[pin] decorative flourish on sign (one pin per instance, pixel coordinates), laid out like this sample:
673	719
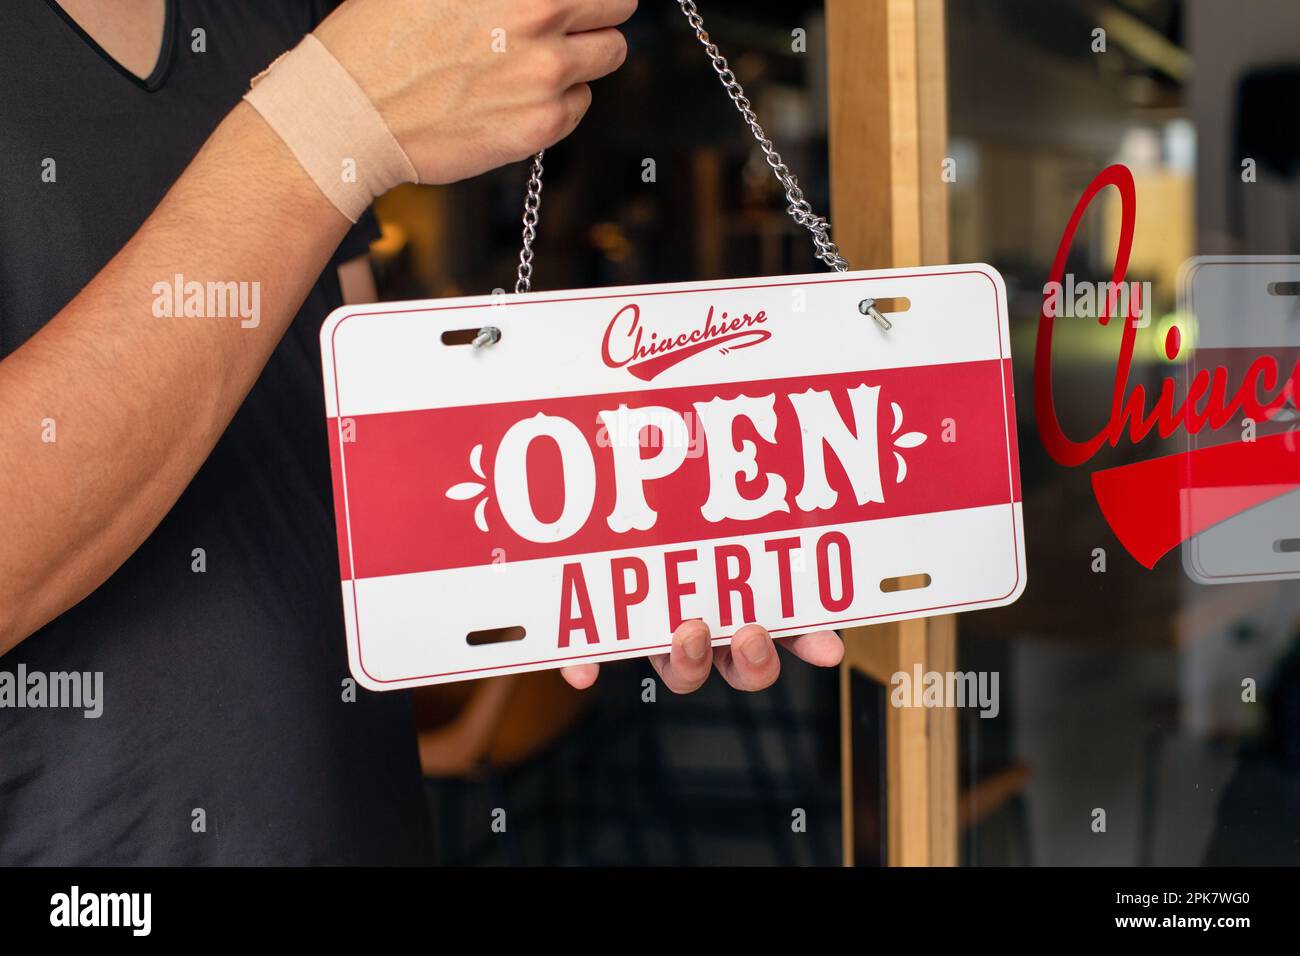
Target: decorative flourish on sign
467	490
905	440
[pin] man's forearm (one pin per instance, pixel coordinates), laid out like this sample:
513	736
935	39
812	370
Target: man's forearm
136	401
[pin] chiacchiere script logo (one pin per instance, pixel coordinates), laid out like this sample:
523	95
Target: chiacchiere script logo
647	353
1146	503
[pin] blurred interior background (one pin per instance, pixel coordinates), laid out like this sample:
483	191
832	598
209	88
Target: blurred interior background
1120	689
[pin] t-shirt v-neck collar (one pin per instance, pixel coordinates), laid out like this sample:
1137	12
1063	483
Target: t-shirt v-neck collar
166	51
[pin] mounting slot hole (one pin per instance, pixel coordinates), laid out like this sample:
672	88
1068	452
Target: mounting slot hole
894	306
460	336
495	635
905	582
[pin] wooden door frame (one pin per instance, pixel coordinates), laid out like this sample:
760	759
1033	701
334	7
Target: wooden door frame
887	83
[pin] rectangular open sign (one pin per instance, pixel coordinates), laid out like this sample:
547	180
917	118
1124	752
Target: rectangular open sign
625	459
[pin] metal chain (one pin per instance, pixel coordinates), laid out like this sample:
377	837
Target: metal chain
799	208
532	211
490	334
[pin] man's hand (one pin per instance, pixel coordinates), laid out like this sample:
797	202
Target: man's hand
467	87
750	663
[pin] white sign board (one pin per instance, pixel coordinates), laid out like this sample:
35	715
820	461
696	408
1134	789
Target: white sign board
624	459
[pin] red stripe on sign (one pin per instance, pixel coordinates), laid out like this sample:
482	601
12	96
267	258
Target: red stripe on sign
1013	447
393	477
336	427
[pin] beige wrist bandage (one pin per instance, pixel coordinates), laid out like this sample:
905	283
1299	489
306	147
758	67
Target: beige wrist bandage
330	125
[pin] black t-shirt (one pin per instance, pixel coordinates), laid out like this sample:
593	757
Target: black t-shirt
227	733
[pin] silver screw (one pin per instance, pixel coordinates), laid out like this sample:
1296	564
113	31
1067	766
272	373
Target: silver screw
868	307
